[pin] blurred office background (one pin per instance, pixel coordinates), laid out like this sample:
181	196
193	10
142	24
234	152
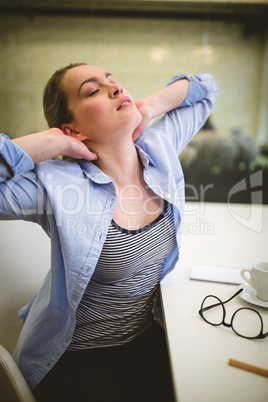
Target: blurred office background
144	44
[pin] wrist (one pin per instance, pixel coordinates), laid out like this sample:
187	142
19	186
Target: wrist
153	105
57	141
168	98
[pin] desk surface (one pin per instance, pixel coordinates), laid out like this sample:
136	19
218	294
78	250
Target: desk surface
222	235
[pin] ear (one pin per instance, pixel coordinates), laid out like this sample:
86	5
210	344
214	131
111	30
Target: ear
72	132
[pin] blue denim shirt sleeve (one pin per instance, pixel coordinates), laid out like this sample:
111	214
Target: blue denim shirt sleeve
196	91
181	124
19	187
13	160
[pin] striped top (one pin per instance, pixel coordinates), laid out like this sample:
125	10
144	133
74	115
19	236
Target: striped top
117	304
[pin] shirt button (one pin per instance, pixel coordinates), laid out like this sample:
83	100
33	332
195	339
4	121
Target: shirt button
168	196
147	177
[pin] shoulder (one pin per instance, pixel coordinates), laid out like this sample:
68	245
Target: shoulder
68	165
59	169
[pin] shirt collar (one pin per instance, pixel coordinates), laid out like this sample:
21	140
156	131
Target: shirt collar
144	157
93	172
96	175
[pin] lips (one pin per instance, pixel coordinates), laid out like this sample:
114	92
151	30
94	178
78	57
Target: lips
124	102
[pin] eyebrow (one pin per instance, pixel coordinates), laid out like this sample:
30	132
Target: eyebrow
92	79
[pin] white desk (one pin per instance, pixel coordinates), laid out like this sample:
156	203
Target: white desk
215	234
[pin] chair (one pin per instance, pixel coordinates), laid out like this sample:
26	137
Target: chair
13	387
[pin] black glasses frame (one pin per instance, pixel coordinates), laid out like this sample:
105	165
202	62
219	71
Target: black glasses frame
223	322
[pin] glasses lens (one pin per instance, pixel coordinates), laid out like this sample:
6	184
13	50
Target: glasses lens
212	310
247	323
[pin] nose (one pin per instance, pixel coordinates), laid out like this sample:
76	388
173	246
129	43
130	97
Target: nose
115	90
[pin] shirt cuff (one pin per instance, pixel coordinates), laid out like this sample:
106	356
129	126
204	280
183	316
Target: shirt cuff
13	160
197	91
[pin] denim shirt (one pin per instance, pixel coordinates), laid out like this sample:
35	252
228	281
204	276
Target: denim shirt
74	203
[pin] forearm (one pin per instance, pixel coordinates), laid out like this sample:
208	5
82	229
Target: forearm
43	145
168	98
53	142
161	102
182	123
194	93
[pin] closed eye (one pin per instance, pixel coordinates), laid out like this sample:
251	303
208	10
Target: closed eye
94	92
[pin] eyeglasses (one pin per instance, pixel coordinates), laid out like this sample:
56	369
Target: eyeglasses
245	322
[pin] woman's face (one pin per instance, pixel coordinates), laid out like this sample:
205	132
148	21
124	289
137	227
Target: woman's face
101	108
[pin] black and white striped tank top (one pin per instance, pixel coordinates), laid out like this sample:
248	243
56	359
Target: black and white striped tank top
117	303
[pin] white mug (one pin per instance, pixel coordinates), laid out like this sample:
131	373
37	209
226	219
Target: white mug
257	277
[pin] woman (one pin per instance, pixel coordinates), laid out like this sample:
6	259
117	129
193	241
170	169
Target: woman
113	212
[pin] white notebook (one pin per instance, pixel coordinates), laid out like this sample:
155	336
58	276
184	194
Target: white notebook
216	273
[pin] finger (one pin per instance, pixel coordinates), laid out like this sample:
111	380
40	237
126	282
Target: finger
88	155
92	157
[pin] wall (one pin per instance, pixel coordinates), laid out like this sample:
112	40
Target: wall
143	54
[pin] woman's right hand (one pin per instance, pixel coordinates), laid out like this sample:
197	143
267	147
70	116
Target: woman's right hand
75	148
51	143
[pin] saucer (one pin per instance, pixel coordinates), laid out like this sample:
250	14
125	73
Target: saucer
250	295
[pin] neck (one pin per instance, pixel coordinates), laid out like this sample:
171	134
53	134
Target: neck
120	162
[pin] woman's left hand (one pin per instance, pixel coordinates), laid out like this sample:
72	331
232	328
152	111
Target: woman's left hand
145	111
